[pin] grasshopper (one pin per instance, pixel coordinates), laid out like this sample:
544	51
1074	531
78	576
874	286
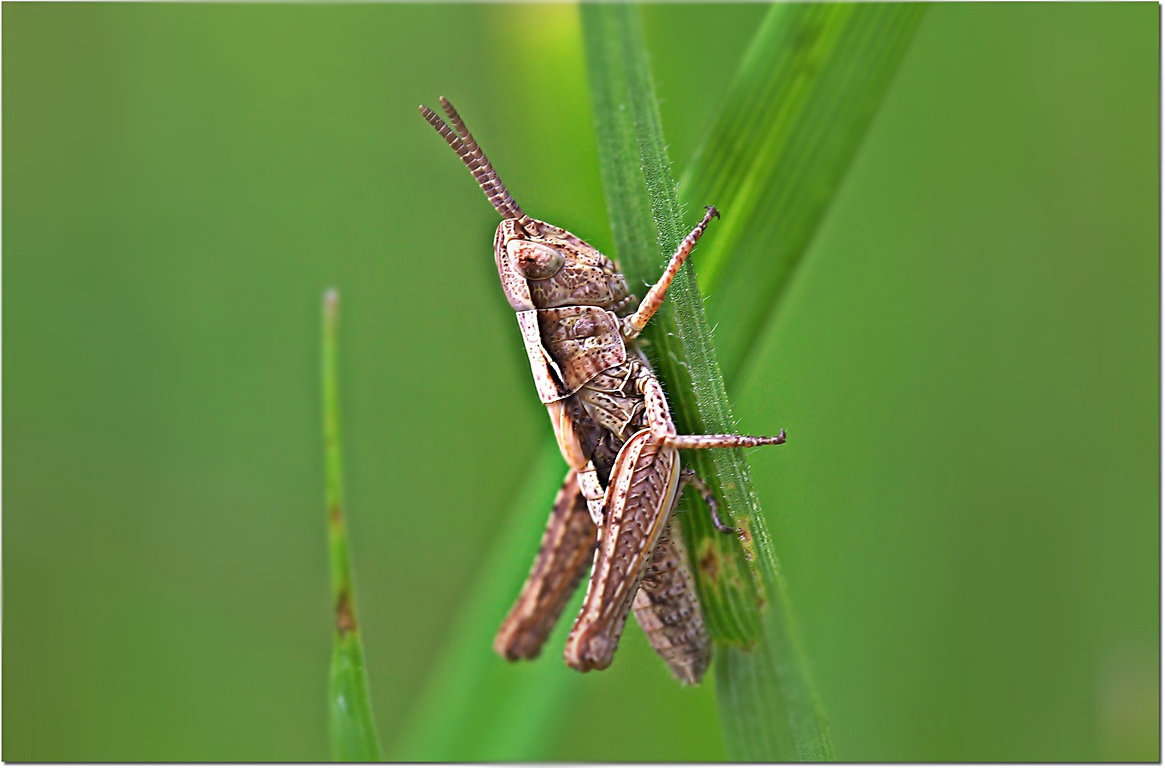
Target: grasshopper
579	323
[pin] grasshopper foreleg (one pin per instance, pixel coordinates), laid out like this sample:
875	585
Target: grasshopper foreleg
634	323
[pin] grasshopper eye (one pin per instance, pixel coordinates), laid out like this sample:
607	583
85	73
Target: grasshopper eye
534	260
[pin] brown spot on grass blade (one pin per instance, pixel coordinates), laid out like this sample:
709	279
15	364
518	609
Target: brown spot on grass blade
345	616
744	533
748	544
710	562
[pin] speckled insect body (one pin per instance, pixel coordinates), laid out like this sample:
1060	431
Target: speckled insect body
578	322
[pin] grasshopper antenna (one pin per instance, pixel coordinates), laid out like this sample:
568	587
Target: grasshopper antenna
461	140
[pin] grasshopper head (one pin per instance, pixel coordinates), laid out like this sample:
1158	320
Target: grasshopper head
540	265
543	266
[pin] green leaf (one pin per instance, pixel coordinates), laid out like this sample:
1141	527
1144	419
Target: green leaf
353	736
773	160
800	104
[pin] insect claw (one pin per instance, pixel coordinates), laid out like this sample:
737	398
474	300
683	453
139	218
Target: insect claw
712	210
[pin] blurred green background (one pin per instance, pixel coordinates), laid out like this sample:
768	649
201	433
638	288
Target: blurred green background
967	364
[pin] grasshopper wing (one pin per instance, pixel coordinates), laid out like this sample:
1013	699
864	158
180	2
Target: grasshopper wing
562	560
637	505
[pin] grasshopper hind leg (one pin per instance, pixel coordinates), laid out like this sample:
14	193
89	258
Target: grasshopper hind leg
688	476
565	553
668	610
636	509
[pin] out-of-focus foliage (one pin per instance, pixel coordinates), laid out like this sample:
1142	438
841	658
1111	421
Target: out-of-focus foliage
967	358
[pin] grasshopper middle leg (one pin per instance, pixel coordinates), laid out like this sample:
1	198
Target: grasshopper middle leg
661	425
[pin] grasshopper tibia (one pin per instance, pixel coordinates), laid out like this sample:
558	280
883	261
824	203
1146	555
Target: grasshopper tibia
689	476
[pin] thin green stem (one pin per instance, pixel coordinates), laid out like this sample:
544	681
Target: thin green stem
353	736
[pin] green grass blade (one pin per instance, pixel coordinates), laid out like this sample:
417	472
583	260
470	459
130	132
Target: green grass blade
794	117
768	704
353	736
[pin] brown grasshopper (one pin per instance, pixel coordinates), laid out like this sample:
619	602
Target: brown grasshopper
579	323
